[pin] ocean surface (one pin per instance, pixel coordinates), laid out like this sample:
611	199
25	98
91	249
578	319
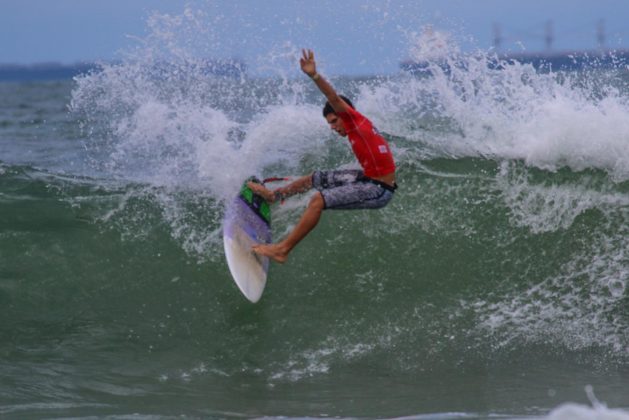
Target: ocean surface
493	286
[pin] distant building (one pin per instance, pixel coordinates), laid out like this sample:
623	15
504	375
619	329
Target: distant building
571	60
543	61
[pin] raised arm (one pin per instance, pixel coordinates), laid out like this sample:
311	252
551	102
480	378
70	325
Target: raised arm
309	66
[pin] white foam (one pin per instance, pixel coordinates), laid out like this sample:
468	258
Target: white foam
548	207
571	411
597	410
158	119
464	106
577	307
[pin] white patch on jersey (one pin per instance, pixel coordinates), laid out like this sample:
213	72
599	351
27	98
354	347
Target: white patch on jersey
383	148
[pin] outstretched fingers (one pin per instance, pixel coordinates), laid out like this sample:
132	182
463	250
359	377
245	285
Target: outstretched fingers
307	57
307	62
307	54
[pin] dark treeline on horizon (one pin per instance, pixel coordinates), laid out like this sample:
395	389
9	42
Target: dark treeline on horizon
556	61
59	71
43	71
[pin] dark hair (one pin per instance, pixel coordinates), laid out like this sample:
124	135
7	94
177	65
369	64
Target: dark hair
327	109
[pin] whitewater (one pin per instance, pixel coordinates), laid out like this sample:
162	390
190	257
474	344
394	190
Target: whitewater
493	285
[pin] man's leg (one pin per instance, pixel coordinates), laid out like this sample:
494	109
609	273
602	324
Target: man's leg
279	251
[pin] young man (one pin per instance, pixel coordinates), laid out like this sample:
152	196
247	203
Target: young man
369	188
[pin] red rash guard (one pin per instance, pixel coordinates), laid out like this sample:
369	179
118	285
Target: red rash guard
371	149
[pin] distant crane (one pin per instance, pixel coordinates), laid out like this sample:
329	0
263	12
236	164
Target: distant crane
548	35
549	58
600	34
497	36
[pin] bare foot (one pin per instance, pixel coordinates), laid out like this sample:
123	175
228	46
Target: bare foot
262	191
273	251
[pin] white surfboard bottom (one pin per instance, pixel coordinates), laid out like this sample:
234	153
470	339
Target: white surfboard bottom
246	266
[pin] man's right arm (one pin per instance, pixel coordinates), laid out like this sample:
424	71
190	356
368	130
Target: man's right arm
309	66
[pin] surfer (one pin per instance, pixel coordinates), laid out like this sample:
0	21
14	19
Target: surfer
369	188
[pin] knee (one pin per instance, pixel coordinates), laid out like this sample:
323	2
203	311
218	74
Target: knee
317	202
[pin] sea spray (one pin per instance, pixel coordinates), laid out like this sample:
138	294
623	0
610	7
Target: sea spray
476	104
494	284
491	153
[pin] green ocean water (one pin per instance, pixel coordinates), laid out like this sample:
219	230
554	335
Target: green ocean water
493	285
453	308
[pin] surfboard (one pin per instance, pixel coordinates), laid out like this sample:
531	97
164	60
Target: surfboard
247	222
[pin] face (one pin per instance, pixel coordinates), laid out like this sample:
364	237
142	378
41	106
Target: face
336	124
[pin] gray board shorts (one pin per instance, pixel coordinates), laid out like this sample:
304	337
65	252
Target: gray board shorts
350	189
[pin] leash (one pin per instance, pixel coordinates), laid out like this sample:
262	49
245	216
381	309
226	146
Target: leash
275	179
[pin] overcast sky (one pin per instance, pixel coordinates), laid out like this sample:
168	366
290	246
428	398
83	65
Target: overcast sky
354	36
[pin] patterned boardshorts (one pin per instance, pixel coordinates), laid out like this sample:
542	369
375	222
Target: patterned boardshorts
351	189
